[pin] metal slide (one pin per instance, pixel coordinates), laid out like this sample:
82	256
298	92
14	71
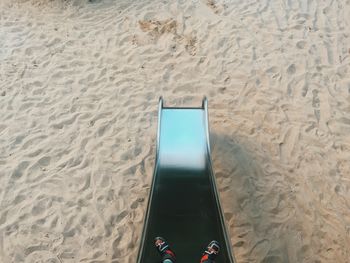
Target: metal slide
184	205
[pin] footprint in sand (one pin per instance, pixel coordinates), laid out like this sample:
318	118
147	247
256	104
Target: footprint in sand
291	69
316	103
18	172
301	44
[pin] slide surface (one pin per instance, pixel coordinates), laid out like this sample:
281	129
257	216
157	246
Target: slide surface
184	207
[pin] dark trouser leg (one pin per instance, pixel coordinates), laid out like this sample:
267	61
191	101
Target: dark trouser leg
168	256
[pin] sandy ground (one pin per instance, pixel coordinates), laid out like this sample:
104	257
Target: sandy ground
79	86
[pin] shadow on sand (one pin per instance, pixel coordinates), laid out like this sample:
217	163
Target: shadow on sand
248	200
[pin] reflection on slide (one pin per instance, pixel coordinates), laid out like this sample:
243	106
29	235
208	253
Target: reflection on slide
184	206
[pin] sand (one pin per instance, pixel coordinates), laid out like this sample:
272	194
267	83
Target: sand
79	86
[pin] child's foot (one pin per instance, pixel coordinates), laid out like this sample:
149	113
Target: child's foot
211	252
164	249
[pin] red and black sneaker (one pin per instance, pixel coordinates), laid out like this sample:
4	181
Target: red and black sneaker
211	252
164	249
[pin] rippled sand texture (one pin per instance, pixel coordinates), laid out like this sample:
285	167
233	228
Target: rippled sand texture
79	85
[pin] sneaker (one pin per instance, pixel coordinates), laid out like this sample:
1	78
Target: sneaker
211	252
164	249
